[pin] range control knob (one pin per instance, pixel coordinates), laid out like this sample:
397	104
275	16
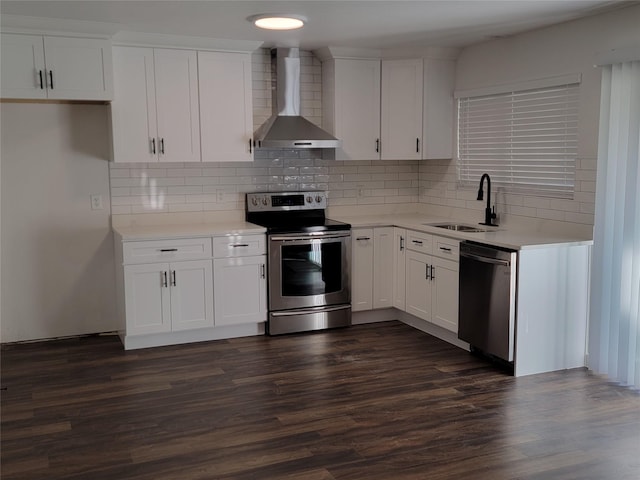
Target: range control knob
319	199
254	201
309	199
265	202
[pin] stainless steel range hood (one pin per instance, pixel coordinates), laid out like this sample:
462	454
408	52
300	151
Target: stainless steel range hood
286	128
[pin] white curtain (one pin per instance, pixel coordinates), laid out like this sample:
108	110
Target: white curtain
614	328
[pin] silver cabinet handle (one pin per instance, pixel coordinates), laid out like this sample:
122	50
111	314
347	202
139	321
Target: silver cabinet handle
363	238
445	249
417	145
168	249
162	146
153	146
163	279
417	242
236	245
250	146
377	145
51	79
432	276
401	243
263	271
41	81
173	278
426	271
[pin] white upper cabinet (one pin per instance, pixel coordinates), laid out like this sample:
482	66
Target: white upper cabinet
351	106
401	109
176	76
133	110
438	111
23	69
56	68
155	109
226	107
375	107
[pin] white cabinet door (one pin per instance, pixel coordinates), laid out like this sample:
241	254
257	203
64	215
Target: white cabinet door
148	302
362	269
401	109
240	290
133	110
438	110
418	296
382	265
178	119
357	109
23	69
226	107
191	294
78	68
399	267
445	293
59	68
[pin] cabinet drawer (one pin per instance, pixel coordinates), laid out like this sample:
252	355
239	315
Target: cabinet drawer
446	248
419	242
239	246
166	250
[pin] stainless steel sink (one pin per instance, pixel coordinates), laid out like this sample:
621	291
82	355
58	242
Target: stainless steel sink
458	227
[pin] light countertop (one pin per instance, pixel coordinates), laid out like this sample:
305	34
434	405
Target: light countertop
515	238
512	237
209	229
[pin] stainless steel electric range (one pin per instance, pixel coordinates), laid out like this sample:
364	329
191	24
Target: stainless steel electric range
308	261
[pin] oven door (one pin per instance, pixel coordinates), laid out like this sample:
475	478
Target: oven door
309	270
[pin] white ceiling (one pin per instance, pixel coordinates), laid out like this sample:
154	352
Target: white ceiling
372	24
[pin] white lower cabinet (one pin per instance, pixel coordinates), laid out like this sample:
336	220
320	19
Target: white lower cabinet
240	279
425	277
418	287
240	290
166	297
399	267
432	289
361	269
444	293
181	290
148	306
372	260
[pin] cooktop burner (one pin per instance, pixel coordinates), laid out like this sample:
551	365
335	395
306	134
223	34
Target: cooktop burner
291	212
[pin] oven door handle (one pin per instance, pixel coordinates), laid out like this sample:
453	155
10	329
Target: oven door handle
289	313
306	238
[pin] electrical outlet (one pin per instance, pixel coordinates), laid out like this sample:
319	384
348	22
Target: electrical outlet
96	202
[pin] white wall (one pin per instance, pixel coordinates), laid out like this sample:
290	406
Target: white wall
57	254
562	49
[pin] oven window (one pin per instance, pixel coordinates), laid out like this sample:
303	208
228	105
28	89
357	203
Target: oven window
313	269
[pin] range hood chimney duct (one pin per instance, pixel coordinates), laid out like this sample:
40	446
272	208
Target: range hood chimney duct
287	128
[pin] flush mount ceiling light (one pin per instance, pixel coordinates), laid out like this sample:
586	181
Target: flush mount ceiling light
276	21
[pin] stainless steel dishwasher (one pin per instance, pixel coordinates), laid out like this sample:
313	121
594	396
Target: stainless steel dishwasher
487	299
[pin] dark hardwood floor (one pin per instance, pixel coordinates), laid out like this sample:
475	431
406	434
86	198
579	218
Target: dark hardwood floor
381	401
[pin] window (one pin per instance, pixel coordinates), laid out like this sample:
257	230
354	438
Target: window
525	139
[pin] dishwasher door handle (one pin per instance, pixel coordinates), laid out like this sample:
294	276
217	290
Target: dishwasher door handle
493	261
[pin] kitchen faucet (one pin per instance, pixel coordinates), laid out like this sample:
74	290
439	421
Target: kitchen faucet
488	214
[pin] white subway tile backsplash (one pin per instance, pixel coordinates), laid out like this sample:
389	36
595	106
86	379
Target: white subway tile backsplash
583	218
549	214
120	191
187	190
119	172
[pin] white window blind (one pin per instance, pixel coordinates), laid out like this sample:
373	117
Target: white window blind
525	140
